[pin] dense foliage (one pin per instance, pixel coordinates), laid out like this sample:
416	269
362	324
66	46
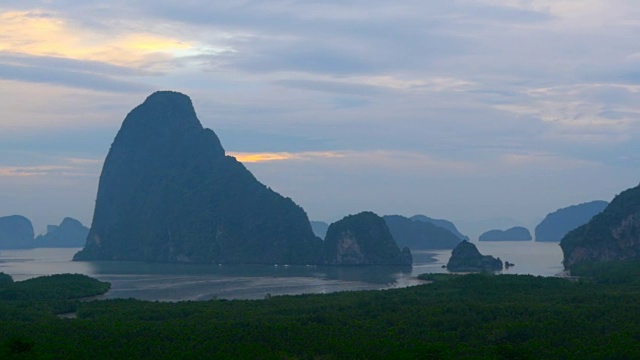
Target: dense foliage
40	298
558	223
613	234
477	316
168	193
416	234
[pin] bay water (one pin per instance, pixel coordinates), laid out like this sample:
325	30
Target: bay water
177	282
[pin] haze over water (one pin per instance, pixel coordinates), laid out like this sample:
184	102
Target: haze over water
175	282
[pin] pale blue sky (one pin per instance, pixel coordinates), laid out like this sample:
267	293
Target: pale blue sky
462	109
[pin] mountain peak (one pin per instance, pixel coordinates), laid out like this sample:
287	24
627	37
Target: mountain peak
163	113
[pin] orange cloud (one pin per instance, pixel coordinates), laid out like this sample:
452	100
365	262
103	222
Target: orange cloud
247	157
42	34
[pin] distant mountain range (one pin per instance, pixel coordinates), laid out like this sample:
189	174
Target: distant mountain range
446	224
16	232
516	233
558	223
416	234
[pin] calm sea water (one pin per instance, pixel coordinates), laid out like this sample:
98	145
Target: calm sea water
175	282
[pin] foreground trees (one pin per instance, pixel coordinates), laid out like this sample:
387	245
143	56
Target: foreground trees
470	316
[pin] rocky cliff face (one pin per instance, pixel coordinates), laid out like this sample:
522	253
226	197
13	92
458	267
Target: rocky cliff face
16	232
168	193
613	234
517	233
70	233
466	258
363	239
419	235
558	223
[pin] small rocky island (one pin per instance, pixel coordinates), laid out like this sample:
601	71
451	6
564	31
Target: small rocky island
613	234
517	233
363	239
466	258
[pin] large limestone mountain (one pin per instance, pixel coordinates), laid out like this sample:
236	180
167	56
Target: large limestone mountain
558	223
16	232
168	193
363	239
613	234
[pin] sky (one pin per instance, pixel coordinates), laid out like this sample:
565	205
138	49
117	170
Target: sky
476	111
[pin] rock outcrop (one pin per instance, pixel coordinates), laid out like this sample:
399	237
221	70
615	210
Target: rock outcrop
613	234
16	232
70	233
363	239
168	193
419	235
466	258
558	223
445	224
517	233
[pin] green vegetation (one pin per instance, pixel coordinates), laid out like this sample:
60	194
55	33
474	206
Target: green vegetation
41	298
477	316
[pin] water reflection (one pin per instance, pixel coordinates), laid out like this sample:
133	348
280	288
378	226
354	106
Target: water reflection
173	282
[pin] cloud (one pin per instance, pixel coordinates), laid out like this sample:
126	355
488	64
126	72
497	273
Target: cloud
382	159
64	167
19	171
79	79
40	33
246	157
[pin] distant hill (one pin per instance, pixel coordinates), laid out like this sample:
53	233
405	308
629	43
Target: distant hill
16	232
517	233
70	233
558	223
613	234
446	224
319	228
475	228
168	193
419	235
363	239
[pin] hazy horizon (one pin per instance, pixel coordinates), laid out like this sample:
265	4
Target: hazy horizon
462	110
